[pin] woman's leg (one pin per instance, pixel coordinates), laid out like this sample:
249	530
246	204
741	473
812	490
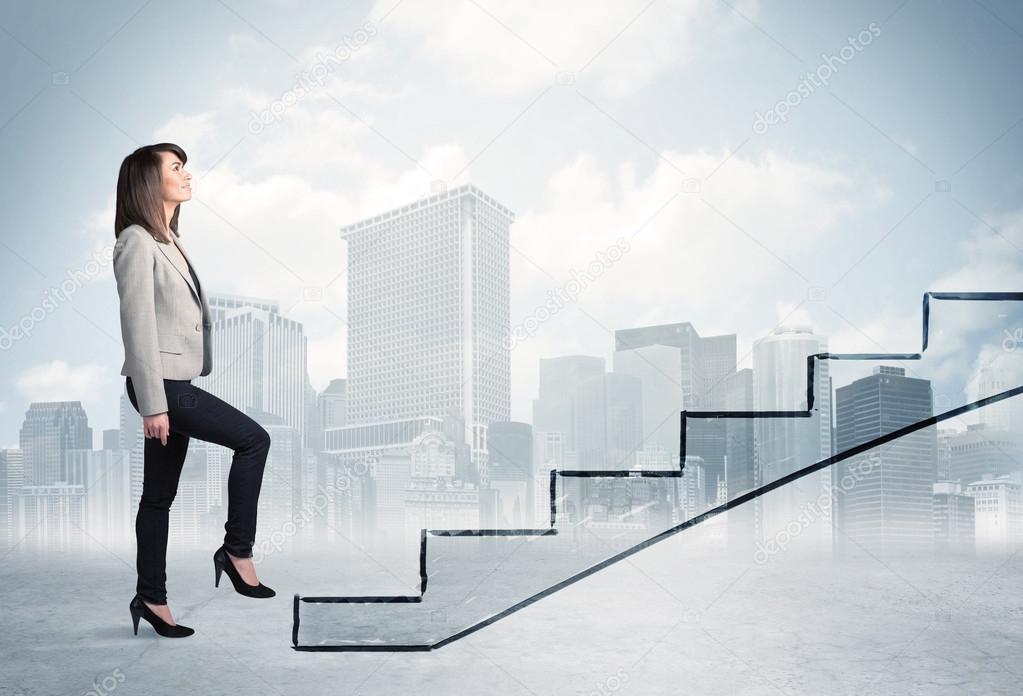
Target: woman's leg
159	486
161	472
197	413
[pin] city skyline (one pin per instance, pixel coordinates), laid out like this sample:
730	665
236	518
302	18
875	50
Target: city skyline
582	333
286	470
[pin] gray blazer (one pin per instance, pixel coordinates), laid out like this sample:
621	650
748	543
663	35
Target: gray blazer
165	319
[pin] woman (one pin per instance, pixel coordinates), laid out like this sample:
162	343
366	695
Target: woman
165	325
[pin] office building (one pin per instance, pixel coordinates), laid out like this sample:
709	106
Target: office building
49	430
609	422
953	518
785	445
554	409
886	499
261	358
429	314
998	512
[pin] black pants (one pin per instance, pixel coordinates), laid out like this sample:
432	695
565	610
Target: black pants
194	412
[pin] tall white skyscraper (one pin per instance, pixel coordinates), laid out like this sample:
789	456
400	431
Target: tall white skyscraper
429	314
260	358
784	445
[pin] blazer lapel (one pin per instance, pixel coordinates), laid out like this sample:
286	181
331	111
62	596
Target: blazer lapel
184	274
203	304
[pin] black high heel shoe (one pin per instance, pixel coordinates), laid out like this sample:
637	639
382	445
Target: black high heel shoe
139	610
223	563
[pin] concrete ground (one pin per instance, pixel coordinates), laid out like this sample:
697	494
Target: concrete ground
670	619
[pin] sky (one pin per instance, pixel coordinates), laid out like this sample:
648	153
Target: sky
815	162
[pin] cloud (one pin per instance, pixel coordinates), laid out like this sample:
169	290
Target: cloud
710	257
717	245
186	130
58	381
521	46
327	354
988	259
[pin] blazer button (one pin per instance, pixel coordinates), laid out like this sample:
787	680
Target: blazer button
198	327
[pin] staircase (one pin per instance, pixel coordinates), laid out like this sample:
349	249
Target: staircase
473	585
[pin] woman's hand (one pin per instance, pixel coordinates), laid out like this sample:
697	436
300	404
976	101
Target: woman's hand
157	425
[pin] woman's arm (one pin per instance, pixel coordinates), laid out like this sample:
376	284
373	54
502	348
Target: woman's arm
133	269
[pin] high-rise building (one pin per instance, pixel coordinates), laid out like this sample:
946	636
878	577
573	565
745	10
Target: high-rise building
187	514
332	403
609	422
261	359
281	473
659	370
999	511
511	472
691	490
130	423
49	430
12	478
885	503
554	409
704	360
740	475
223	304
105	476
137	459
785	445
981	451
692	378
440	504
391	477
50	518
429	314
943	454
953	518
1003	415
112	439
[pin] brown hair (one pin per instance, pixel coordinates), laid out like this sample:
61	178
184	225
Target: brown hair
139	200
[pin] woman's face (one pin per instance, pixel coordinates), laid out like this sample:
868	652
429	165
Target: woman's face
176	181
